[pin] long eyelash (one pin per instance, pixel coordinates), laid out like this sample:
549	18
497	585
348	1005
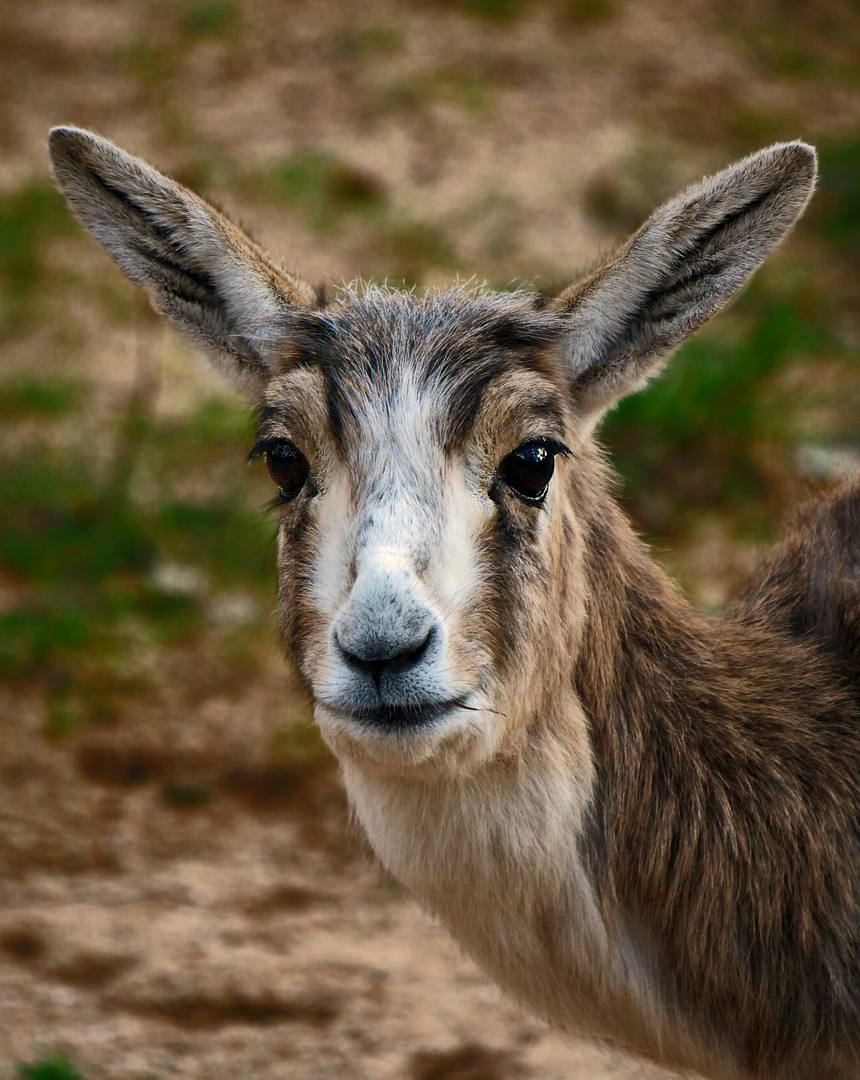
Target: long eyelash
259	448
553	445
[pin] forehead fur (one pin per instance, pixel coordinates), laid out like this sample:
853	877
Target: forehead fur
448	345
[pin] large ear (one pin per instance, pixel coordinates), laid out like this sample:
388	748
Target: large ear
682	265
200	270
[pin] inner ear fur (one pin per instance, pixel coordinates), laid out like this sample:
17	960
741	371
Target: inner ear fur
200	270
676	271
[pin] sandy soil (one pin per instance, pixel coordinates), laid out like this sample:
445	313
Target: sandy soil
249	936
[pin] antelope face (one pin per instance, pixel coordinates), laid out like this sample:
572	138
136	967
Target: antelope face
420	448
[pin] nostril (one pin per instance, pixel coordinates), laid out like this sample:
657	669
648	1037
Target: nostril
374	668
407	658
383	657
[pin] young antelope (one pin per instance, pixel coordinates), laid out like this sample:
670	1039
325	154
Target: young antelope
642	821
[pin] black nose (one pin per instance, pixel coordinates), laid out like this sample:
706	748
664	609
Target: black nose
380	658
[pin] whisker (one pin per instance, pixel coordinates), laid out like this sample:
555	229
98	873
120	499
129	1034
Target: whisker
476	708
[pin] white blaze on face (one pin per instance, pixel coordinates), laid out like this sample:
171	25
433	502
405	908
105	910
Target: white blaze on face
398	528
467	508
334	528
381	504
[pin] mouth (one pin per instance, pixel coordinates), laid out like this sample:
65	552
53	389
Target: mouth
441	735
401	718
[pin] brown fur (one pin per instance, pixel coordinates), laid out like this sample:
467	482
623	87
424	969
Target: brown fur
726	819
643	822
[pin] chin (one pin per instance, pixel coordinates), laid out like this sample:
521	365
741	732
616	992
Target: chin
441	740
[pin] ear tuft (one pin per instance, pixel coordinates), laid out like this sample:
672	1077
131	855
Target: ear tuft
677	270
200	270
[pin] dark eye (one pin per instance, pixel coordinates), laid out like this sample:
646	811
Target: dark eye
528	470
288	467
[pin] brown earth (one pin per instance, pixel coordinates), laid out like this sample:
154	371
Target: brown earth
175	899
154	926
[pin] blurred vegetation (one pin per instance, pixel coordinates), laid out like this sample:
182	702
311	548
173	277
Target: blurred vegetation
572	11
30	219
53	1068
719	431
111	555
837	208
210	17
332	196
326	189
714	428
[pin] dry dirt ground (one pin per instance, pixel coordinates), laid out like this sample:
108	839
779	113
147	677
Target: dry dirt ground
173	901
252	937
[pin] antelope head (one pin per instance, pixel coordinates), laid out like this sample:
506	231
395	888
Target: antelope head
433	454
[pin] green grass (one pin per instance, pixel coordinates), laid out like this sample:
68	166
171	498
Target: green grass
495	9
585	12
87	556
802	43
31	218
298	742
623	197
32	396
836	209
324	188
58	1067
58	527
209	18
691	441
226	540
186	794
356	42
465	88
85	566
217	425
152	62
331	194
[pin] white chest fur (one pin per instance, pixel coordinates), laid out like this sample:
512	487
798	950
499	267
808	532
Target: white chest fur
497	859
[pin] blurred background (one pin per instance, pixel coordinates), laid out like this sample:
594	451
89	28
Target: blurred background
181	892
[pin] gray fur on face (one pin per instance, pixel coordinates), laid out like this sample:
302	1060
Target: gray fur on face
448	344
401	381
